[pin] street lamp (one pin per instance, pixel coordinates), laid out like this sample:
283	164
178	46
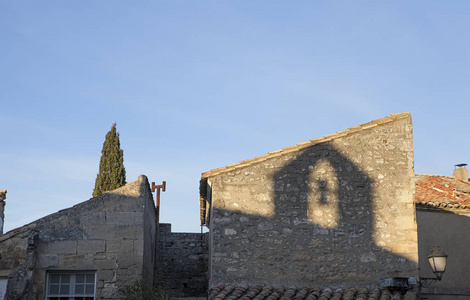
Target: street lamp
437	260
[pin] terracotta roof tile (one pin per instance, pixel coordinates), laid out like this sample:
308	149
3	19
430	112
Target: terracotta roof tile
442	192
309	143
258	292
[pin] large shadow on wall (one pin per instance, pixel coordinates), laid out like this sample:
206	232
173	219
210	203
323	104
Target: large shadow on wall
321	232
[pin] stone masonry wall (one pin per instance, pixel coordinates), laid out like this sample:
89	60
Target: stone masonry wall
104	234
339	212
150	239
182	263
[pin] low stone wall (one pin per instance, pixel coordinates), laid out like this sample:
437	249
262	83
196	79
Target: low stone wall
182	263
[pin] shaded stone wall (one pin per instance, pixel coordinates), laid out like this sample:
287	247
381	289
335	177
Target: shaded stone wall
104	234
339	212
182	263
445	228
150	239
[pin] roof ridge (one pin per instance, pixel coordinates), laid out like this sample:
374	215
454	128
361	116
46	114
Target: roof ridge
444	176
310	143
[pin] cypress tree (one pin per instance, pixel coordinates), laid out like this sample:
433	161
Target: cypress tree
112	173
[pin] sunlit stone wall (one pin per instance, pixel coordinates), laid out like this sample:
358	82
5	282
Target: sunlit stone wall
339	212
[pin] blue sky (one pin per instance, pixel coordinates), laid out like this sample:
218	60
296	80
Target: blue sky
196	85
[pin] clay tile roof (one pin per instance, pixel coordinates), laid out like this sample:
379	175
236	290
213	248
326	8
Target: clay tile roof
442	192
301	146
258	292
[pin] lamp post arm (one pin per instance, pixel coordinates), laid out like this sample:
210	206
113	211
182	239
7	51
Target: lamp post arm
425	282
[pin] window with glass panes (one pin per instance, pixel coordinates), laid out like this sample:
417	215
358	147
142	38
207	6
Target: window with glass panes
71	286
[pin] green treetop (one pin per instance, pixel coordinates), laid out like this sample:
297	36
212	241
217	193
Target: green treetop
112	173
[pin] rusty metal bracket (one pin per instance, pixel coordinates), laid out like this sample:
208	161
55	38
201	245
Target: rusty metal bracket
161	187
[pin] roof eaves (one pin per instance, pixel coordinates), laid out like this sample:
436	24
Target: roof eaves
442	205
17	231
244	292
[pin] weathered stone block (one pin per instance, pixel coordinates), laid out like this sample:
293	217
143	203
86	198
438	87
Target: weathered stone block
105	264
129	205
106	275
230	231
48	261
100	284
61	247
70	260
128	260
93	218
85	263
97	232
138	246
90	246
122	218
18	281
127	231
120	246
110	291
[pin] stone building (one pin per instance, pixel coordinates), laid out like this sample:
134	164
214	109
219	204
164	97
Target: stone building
337	211
88	251
323	219
443	216
94	249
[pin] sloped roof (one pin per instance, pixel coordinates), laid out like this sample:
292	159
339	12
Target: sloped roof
442	192
307	144
259	292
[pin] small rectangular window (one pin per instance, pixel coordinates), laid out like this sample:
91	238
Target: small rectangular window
71	285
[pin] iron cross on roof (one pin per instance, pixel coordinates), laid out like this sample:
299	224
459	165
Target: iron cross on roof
158	187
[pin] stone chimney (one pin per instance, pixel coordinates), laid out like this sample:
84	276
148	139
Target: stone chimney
3	196
460	172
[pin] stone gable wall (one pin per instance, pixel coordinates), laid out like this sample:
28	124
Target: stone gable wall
182	263
337	213
105	234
